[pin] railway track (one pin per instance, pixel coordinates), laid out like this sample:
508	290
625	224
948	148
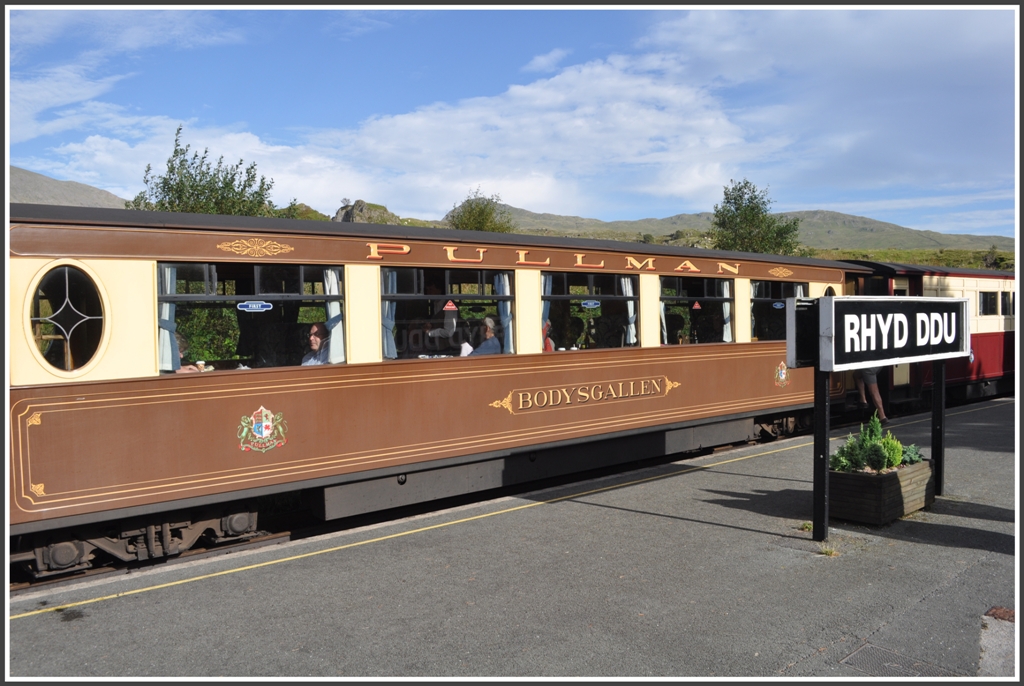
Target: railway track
24	586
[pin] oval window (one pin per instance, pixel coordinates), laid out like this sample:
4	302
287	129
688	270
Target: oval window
67	318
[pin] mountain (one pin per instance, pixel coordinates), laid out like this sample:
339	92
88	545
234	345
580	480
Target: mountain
29	187
818	228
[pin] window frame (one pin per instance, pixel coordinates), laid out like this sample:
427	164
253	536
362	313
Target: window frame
484	279
592	294
686	299
787	290
993	298
212	299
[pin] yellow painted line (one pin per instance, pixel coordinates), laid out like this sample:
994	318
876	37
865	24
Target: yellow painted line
60	608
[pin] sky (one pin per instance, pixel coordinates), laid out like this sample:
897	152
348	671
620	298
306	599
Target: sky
905	116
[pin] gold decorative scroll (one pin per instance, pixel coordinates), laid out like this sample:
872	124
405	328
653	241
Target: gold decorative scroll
780	272
37	489
506	403
35	419
255	247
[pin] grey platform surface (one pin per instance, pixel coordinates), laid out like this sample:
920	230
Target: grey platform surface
698	568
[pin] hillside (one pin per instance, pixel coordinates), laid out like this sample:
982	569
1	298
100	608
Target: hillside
30	187
819	229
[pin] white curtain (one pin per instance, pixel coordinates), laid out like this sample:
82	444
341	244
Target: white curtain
626	283
545	308
501	287
336	345
387	314
664	325
167	346
799	290
726	313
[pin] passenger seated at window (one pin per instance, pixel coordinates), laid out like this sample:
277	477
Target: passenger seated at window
611	327
319	345
549	345
491	344
182	349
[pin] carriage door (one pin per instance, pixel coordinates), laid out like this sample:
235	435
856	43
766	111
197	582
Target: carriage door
900	372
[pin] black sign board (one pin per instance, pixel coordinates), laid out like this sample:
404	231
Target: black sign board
854	332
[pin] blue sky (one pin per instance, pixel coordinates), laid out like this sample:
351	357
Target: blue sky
903	116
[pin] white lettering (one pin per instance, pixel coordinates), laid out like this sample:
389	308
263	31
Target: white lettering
900	322
922	328
936	329
867	330
852	325
950	329
884	324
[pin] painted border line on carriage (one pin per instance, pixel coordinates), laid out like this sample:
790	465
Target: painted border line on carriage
841	333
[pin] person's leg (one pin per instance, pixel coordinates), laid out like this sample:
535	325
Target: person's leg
860	389
876	397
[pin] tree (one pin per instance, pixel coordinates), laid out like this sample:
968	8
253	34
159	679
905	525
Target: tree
480	213
744	222
193	184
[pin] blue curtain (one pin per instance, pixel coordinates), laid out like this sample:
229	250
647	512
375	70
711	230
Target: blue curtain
545	289
387	314
501	287
167	346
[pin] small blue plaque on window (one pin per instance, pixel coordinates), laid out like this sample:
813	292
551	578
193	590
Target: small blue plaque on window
591	304
779	305
255	306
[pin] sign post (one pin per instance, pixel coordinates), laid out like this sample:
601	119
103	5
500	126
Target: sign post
844	333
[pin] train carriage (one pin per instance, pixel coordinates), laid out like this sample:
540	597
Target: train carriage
600	353
990	369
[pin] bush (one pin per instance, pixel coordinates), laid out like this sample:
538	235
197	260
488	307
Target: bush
869	449
911	454
480	213
893	450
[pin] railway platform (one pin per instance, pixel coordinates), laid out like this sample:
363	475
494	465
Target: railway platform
701	567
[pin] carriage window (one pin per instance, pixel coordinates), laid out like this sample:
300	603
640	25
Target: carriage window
67	318
240	316
589	310
768	307
989	303
1006	304
445	312
696	310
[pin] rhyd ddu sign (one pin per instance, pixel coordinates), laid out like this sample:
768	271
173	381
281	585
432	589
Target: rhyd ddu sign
854	332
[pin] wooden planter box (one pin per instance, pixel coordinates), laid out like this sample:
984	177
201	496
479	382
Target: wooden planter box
880	498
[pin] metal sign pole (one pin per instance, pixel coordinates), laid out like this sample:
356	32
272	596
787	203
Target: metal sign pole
938	420
822	412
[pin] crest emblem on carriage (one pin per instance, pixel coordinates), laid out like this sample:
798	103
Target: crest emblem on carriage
782	375
262	431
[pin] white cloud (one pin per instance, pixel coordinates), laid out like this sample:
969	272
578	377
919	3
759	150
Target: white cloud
547	62
916	203
977	222
115	31
58	87
796	100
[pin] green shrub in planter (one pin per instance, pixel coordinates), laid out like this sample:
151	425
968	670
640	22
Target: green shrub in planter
911	454
870	449
893	450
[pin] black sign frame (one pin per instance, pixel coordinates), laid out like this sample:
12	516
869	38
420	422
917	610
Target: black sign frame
856	332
